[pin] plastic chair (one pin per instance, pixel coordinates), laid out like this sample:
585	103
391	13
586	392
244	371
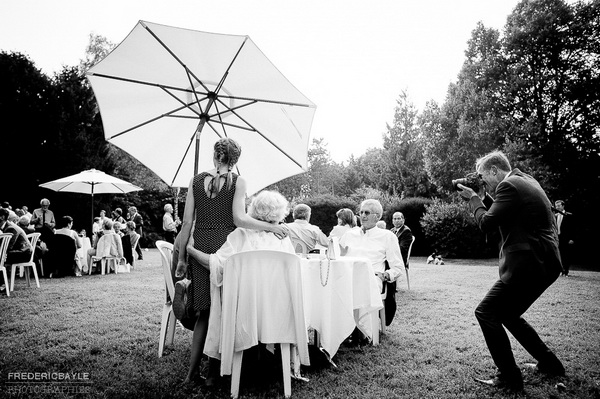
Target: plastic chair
167	324
300	247
407	262
4	241
104	256
262	302
33	238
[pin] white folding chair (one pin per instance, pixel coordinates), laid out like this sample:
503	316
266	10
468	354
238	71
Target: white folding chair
262	302
33	239
4	241
103	254
167	324
300	247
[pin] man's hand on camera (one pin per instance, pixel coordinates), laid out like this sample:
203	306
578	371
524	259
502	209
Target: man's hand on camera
466	192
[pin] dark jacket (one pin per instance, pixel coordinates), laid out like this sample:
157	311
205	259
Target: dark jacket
522	213
405	237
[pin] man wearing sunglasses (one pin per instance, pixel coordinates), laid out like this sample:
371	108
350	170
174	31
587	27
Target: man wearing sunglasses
529	264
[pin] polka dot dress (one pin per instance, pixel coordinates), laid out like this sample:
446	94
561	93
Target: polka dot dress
214	222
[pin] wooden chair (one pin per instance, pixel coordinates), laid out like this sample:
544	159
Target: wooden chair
33	239
167	324
4	241
273	314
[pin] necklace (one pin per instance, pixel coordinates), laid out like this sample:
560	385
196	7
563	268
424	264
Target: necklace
321	272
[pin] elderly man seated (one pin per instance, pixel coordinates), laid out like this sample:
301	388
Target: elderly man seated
378	245
304	232
268	206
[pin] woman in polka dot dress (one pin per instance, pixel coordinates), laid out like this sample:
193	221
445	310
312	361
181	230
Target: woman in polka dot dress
216	201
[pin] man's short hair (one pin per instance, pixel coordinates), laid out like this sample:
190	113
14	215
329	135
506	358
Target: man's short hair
131	225
561	202
373	204
44	200
494	158
398	213
301	211
24	221
167	206
269	206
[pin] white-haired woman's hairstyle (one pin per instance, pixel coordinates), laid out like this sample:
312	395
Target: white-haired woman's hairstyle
269	206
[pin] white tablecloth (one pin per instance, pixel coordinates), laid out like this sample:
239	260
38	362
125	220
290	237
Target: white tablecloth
333	291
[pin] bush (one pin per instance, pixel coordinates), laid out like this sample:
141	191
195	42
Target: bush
413	210
452	231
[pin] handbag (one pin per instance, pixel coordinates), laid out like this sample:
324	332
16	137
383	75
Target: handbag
183	304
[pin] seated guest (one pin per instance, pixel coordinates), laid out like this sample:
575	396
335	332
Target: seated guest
346	221
19	248
117	227
268	206
404	235
24	223
113	249
377	245
302	231
62	266
381	224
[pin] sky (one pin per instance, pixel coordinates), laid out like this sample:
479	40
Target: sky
351	58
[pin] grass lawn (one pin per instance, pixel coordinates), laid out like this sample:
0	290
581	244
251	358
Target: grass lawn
102	332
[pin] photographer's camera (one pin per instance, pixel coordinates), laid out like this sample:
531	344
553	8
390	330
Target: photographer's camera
472	180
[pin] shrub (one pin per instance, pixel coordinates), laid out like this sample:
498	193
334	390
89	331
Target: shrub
452	231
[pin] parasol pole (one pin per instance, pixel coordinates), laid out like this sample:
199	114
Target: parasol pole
92	220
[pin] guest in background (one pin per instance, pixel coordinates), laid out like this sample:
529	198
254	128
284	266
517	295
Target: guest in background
26	211
564	222
26	225
19	248
117	216
169	224
96	229
43	220
346	221
118	227
135	217
381	224
404	235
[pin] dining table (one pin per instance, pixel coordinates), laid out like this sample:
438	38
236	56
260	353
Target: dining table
339	295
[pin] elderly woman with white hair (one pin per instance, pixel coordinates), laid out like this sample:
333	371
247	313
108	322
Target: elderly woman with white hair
267	206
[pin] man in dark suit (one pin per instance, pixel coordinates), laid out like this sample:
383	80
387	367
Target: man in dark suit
529	264
404	235
565	235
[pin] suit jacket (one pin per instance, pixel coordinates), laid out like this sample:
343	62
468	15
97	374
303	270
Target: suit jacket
405	237
567	230
522	213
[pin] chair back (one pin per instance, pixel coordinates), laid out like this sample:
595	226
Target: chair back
61	257
262	301
410	249
299	246
105	245
166	255
33	239
4	241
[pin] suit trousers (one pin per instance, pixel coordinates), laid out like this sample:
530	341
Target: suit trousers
503	306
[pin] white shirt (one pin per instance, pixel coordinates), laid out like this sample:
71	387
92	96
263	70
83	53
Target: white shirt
308	233
377	245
